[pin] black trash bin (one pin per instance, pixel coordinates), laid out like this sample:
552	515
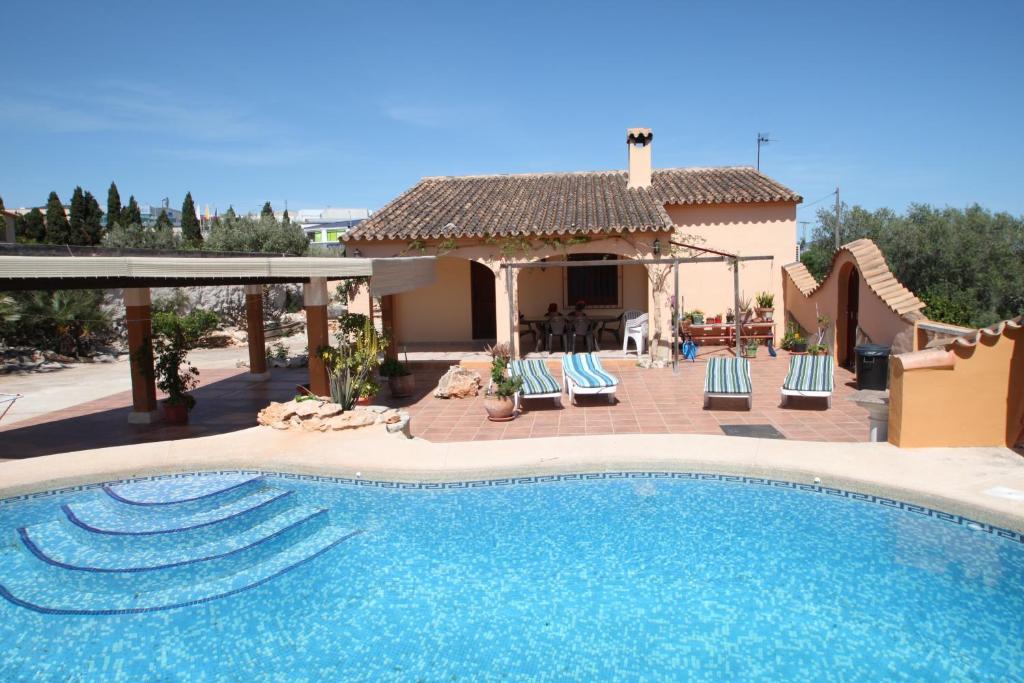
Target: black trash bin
872	366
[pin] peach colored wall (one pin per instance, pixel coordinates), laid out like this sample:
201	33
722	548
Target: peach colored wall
416	313
744	229
874	317
979	401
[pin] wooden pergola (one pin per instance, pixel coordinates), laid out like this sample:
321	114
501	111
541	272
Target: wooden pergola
136	271
674	262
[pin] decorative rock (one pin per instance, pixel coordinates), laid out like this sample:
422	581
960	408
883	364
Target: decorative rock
56	357
306	409
326	410
458	382
49	366
104	358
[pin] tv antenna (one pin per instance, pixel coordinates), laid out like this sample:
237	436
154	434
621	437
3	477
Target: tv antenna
762	139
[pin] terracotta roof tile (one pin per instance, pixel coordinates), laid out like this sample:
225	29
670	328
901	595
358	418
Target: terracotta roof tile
875	271
560	203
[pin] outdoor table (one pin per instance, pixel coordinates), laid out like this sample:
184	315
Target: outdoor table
538	325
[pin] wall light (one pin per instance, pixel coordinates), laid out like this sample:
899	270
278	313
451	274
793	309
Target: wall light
656	247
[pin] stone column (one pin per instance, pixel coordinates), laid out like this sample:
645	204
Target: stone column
140	355
314	298
254	331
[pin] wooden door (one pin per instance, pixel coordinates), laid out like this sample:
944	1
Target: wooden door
481	284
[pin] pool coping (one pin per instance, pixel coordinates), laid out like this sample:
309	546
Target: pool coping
951	481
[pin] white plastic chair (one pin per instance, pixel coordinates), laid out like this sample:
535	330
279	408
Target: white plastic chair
634	326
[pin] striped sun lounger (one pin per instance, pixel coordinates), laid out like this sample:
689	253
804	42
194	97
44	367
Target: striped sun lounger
810	376
538	382
728	378
582	374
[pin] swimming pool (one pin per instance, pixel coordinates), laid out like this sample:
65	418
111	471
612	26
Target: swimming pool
250	576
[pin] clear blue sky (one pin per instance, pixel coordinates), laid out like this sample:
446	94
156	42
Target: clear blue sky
347	104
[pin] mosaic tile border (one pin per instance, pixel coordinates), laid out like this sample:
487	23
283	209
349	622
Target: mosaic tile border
913	508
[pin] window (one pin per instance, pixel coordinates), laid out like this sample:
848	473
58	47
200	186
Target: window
596	285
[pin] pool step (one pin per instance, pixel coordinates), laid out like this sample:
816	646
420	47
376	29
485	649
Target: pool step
106	515
20	584
96	524
159	497
60	543
83	568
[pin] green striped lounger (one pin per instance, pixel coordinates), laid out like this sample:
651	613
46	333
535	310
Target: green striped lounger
810	376
538	382
728	378
583	374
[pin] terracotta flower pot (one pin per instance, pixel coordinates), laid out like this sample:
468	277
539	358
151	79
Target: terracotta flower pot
365	400
499	408
175	413
402	385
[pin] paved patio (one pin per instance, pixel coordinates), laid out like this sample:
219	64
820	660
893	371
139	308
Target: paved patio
653	401
649	401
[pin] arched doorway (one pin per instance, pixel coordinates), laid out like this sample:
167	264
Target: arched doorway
481	287
849	304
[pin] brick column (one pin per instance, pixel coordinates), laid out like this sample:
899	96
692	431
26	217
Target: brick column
254	332
314	298
140	354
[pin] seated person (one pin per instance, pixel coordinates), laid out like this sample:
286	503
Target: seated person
578	310
552	311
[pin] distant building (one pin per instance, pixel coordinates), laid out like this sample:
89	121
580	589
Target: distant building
327	226
150	213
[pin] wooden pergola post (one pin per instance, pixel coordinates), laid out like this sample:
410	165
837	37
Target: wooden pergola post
314	298
254	333
138	312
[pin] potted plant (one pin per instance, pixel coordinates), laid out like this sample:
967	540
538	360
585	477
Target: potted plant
794	342
698	316
745	313
765	306
401	382
750	349
499	398
174	337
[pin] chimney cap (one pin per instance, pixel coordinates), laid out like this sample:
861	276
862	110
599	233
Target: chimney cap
643	135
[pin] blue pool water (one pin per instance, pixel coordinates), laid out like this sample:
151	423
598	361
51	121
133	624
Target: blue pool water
237	576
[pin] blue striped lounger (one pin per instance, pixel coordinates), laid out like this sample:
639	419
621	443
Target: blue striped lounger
583	374
729	378
538	382
810	376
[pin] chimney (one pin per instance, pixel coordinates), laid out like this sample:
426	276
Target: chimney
639	142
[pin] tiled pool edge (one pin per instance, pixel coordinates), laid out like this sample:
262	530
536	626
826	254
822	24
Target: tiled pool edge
958	519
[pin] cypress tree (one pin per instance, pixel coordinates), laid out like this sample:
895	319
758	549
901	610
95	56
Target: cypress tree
113	206
58	231
285	218
162	221
78	211
130	215
190	228
93	222
32	227
267	210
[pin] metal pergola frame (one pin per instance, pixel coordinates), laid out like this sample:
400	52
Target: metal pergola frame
666	261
